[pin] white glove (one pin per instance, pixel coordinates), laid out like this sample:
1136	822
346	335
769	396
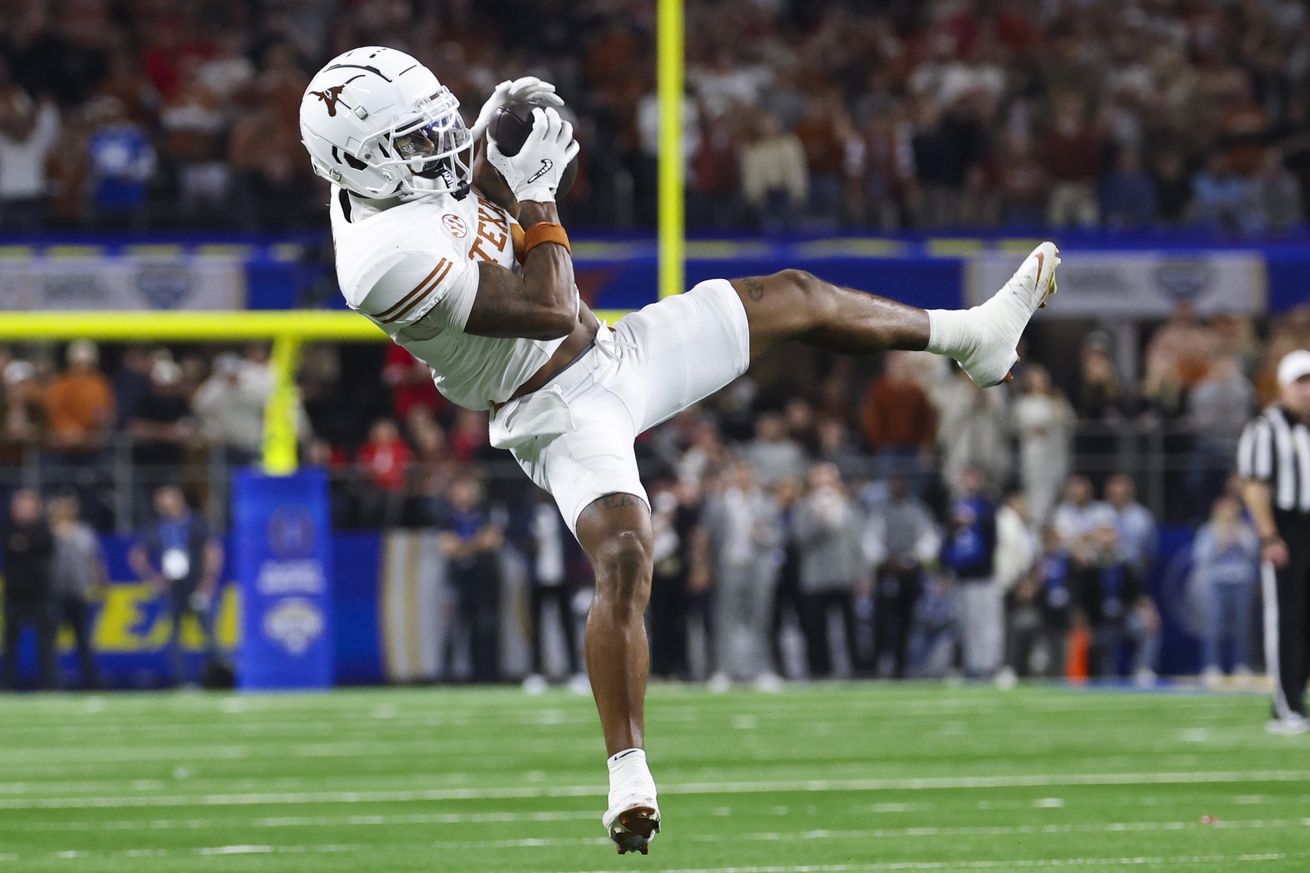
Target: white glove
528	88
534	173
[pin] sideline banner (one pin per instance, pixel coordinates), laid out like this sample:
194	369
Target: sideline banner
1137	284
103	282
282	541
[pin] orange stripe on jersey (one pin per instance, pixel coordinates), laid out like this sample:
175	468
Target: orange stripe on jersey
412	299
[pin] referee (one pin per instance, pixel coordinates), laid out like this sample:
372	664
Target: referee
1274	458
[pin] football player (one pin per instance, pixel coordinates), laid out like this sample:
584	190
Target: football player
487	299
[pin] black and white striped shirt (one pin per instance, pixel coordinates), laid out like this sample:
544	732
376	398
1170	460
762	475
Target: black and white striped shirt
1275	449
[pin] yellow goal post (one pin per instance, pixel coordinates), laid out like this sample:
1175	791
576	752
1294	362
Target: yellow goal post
287	330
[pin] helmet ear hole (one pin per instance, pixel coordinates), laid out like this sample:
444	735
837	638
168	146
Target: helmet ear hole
354	162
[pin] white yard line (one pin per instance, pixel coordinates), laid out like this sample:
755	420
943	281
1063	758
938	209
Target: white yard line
991	865
761	836
258	849
710	788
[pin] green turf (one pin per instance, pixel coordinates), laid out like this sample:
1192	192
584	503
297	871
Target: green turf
834	778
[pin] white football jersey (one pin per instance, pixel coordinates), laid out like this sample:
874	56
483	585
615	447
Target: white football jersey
398	262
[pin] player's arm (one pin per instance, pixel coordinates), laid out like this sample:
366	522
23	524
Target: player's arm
542	304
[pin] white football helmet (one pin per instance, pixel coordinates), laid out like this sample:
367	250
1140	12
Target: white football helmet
378	123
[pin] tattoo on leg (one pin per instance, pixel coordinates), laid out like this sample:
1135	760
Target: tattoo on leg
609	501
755	288
614	501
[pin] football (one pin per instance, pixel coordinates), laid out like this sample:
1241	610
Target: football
510	127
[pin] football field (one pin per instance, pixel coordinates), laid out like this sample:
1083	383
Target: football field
816	779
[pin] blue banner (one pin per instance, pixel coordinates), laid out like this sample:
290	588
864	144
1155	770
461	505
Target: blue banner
181	271
282	540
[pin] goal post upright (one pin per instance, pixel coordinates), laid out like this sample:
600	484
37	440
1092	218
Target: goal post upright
670	36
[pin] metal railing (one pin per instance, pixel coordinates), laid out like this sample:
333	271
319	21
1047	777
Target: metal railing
1167	462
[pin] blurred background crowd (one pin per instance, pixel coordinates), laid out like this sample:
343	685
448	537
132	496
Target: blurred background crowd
804	114
940	526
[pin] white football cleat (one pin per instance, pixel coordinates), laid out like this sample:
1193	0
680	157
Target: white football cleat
1001	320
633	817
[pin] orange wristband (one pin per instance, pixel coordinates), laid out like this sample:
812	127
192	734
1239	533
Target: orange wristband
545	232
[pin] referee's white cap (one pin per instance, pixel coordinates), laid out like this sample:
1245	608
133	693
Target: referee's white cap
1294	365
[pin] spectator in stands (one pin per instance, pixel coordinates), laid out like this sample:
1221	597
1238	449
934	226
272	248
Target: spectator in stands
901	537
948	142
230	410
774	180
740	529
1073	152
468	437
79	404
712	175
22	404
410	382
773	454
1079	515
969	553
182	560
1225	558
1134	524
28	130
78	579
836	447
1224	201
131	383
1216	409
28	602
898	420
828	528
1128	198
1017	549
973	429
471	537
1101	405
193	130
675	514
269	171
1277	194
383	464
1113	604
547	546
1173	188
121	163
1043	422
161	426
1055	601
787	599
1023	184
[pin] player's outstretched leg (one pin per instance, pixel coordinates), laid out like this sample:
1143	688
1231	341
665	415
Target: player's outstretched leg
794	305
615	533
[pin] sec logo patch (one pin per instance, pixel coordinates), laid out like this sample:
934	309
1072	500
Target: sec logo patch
455	225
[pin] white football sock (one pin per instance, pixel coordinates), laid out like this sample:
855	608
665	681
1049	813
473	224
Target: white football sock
627	767
952	332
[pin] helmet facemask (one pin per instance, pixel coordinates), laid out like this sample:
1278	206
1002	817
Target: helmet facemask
431	152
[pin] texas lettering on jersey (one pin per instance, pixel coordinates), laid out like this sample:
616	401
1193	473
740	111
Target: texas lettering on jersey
493	232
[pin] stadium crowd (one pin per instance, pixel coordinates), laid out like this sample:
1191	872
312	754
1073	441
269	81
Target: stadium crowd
886	114
896	499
